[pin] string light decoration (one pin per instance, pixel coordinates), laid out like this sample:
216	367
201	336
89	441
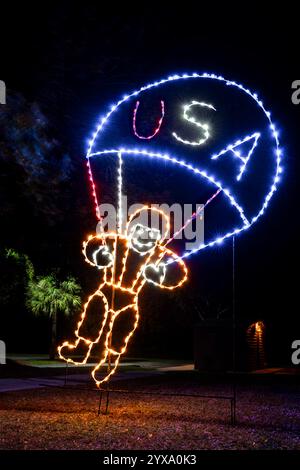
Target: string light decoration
195	214
120	185
208	173
256	341
203	126
238	153
156	130
141	245
148	258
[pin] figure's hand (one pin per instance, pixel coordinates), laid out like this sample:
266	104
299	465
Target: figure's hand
155	273
102	257
168	274
97	254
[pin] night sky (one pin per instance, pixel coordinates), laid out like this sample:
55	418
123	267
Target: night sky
73	61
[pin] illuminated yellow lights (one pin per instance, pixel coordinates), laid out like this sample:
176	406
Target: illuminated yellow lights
152	211
161	268
134	230
108	350
201	125
148	256
255	338
106	253
158	269
66	345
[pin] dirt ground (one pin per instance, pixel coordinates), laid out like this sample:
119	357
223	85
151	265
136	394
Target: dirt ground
268	417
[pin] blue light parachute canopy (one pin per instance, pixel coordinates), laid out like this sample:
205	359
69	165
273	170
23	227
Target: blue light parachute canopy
239	153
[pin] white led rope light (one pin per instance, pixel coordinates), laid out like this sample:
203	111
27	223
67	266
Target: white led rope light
202	125
120	187
237	153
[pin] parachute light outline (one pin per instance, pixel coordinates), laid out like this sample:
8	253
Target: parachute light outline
145	153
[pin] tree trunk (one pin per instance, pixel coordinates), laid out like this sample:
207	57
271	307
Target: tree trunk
52	352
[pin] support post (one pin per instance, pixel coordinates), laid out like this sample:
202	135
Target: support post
66	373
233	403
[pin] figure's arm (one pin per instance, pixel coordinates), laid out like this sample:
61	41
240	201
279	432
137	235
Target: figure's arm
170	272
98	252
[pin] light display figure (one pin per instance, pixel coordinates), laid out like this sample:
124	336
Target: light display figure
126	262
216	131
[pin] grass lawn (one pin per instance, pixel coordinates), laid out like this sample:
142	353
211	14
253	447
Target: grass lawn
51	418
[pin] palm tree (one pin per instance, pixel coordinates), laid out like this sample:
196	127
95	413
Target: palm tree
48	296
21	258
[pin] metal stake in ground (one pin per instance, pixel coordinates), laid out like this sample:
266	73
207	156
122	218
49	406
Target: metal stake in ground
233	404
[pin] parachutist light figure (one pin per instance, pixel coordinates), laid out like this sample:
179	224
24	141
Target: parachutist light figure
126	262
220	135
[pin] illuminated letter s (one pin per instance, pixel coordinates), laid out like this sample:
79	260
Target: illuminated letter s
202	125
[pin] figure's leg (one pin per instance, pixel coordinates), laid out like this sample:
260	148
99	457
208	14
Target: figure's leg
95	307
116	342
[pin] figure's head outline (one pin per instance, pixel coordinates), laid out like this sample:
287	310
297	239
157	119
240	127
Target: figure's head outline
154	234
